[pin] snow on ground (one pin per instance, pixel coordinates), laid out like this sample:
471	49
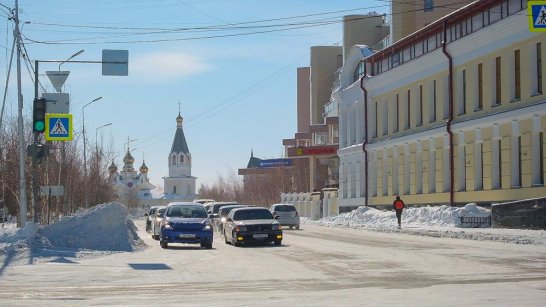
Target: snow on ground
109	228
433	221
102	229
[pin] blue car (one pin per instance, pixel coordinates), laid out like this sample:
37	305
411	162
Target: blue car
186	223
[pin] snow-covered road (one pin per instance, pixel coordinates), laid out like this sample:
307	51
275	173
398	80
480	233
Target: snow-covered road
315	266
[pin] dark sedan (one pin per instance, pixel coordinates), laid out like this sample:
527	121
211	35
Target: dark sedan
252	224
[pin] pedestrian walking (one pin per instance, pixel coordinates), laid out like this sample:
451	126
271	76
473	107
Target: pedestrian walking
398	205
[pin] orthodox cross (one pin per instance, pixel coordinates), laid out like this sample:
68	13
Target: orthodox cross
129	143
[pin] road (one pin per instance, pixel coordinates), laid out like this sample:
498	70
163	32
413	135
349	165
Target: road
315	266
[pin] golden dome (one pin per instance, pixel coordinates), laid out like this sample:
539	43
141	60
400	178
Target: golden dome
143	168
128	159
112	168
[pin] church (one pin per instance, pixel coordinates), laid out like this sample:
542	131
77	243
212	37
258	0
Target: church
133	188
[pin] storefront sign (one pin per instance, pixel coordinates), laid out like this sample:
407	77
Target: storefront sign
275	162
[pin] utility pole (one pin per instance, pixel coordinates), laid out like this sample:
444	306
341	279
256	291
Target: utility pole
22	182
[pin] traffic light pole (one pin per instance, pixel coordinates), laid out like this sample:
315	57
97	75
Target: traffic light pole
36	139
22	182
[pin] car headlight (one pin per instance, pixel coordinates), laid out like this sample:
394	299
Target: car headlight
240	228
223	220
167	225
207	227
276	227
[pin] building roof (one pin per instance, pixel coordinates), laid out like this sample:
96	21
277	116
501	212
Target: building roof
179	142
253	161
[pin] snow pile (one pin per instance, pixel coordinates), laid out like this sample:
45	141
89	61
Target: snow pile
371	217
103	227
432	221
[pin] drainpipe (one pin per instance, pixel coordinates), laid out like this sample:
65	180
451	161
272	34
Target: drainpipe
365	138
450	120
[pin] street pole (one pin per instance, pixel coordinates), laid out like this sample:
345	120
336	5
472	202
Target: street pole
22	182
97	136
85	153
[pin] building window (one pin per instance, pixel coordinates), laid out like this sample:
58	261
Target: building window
541	157
517	75
432	168
397	111
462	167
181	159
480	87
432	108
539	68
384	175
462	107
478	166
174	190
359	71
408	111
499	154
429	5
173	160
376	119
419	119
498	83
386	118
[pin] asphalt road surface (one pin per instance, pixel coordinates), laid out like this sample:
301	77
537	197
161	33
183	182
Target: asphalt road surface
315	266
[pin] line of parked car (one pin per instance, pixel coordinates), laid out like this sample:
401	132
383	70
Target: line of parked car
192	222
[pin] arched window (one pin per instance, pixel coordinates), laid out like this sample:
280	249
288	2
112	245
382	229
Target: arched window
360	69
173	160
174	189
181	158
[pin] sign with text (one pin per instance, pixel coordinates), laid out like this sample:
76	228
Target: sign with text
275	162
316	151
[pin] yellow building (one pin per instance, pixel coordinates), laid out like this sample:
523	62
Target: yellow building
456	112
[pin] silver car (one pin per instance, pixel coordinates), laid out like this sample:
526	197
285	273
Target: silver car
156	223
286	214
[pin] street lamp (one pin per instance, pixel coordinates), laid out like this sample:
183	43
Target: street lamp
72	56
97	135
85	151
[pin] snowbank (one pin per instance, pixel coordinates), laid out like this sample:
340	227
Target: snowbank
103	227
432	221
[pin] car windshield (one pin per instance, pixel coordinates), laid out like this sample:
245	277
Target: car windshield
283	208
242	215
216	207
162	210
225	210
187	212
152	210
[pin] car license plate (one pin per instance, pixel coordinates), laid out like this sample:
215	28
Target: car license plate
260	236
187	235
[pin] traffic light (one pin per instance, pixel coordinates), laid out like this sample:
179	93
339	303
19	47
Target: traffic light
38	152
38	115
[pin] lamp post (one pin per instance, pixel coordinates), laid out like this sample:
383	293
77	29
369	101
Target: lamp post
71	57
97	135
85	151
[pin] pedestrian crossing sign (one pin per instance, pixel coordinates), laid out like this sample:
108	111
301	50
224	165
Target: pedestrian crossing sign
537	15
58	127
